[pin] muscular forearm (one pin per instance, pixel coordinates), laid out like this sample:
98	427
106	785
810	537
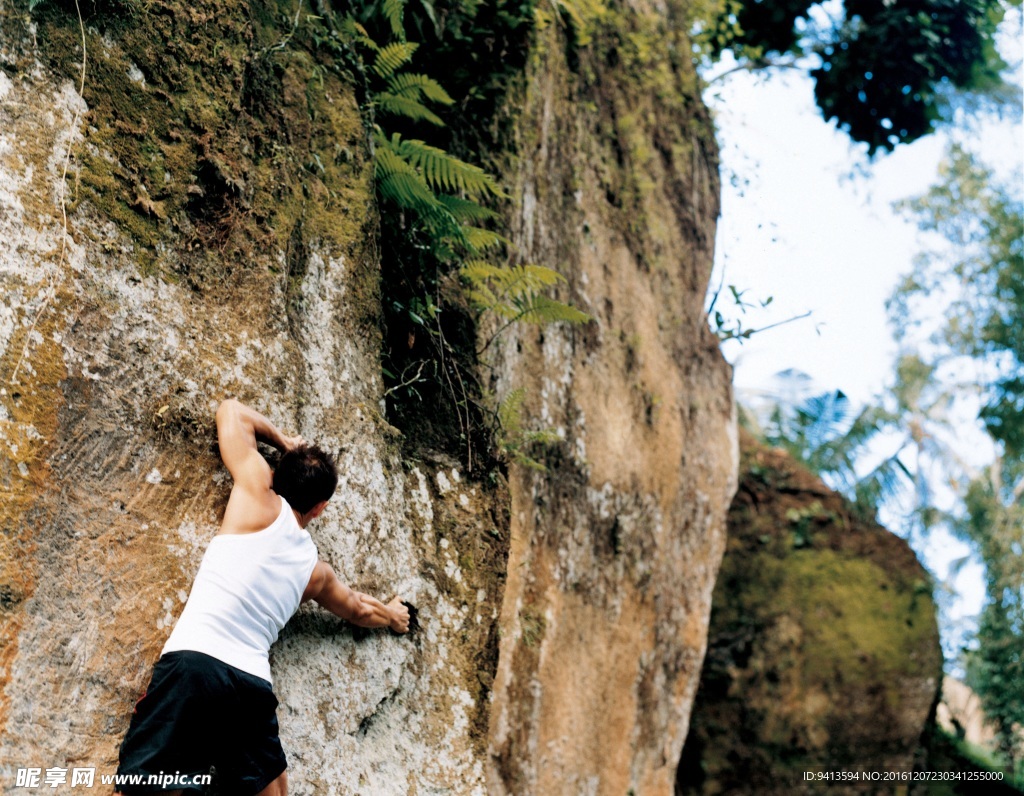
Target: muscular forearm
358	608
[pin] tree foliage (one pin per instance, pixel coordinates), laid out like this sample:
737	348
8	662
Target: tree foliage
830	436
994	522
979	265
971	277
881	68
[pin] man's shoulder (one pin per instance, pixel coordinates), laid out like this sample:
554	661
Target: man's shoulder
249	510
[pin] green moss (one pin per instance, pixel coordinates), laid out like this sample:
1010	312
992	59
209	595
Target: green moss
819	642
823	645
857	626
648	115
214	128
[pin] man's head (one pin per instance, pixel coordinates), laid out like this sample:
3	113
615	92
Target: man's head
306	477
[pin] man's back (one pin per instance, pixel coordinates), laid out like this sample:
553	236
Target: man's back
247	588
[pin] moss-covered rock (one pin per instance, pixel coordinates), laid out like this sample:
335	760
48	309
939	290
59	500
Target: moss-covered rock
213	129
823	652
196	219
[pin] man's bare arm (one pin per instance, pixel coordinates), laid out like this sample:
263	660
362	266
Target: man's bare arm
238	429
355	607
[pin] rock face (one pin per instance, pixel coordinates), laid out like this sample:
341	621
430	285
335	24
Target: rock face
961	715
615	547
823	652
206	254
214	237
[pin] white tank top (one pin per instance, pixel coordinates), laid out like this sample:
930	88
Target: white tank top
247	588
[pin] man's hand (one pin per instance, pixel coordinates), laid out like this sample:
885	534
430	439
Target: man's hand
353	606
289	444
399	616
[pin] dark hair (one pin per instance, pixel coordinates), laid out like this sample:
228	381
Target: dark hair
305	476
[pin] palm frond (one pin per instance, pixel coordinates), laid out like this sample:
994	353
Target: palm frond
887	480
822	417
870	421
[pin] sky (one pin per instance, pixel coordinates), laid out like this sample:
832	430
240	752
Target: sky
809	223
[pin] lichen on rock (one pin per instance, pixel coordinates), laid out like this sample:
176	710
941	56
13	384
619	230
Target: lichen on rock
614	548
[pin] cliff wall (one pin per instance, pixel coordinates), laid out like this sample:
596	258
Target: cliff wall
615	547
219	241
196	220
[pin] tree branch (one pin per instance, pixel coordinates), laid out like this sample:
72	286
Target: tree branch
753	66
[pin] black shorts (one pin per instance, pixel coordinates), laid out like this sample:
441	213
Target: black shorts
199	714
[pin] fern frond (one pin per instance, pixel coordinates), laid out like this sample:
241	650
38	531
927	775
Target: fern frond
393	11
478	274
409	108
542	309
514	293
387	161
414	86
525	279
508	286
393	56
521	281
481	240
355	31
399	182
406	191
447	173
445	230
465	209
510	411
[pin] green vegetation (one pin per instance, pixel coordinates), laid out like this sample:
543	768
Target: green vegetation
830	436
198	143
204	141
516	441
444	263
979	228
958	312
948	753
878	93
976	264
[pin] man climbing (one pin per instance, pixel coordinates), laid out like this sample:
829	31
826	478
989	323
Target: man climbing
210	703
